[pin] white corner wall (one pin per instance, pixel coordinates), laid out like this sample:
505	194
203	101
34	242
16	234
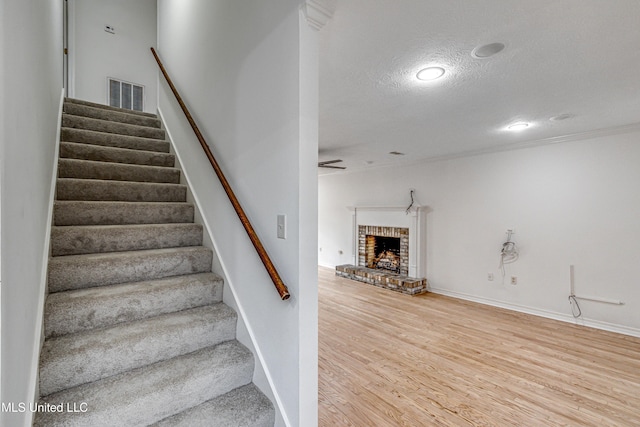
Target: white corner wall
248	73
308	226
96	54
30	95
575	203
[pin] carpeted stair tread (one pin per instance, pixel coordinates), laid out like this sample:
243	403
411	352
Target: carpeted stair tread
74	150
88	239
107	107
151	393
92	137
110	351
107	126
125	191
91	270
110	115
89	169
83	309
245	406
79	212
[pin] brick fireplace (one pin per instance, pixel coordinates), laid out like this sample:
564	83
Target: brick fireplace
384	248
389	248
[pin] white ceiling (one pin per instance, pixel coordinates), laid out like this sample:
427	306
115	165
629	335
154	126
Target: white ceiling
576	57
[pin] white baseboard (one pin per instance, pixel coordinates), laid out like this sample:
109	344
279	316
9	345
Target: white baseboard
596	324
326	265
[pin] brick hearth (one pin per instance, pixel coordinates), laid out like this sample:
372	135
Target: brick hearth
383	279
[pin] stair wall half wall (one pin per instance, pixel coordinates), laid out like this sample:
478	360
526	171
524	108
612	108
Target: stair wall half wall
261	132
244	333
196	174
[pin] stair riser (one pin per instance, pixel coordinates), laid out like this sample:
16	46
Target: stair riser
116	213
130	346
84	169
74	150
72	189
84	309
155	392
100	239
111	127
113	140
86	271
107	107
115	116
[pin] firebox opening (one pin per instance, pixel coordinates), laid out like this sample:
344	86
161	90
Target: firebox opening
383	253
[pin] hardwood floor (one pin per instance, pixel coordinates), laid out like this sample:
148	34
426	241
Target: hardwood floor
388	359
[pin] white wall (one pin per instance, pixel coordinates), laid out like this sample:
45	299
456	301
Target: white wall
246	71
97	54
308	226
575	203
31	94
2	96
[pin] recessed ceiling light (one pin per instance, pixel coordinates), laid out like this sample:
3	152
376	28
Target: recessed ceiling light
487	50
560	117
518	126
430	73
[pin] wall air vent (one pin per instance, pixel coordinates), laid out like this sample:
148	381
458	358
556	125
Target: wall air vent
125	95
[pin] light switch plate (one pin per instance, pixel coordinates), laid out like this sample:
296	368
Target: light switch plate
282	226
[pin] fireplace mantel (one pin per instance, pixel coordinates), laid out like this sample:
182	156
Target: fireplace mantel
396	216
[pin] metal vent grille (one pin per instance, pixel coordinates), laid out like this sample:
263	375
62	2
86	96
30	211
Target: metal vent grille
126	95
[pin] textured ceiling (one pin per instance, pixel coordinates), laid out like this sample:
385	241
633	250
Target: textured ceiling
562	57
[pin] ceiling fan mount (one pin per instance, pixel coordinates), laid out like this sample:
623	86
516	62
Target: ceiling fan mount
329	164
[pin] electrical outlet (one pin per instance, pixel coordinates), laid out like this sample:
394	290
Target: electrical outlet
514	280
490	277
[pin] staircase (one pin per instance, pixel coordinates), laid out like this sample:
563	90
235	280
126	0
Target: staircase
135	330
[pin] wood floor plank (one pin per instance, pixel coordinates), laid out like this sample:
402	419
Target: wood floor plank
389	359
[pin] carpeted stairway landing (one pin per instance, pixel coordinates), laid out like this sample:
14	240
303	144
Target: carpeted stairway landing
136	332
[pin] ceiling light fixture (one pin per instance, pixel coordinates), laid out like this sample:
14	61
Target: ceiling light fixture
518	126
561	117
430	73
487	50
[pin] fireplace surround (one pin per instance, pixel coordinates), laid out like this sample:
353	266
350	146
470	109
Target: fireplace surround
389	248
393	221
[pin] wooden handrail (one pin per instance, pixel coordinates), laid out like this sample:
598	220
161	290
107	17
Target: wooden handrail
262	253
